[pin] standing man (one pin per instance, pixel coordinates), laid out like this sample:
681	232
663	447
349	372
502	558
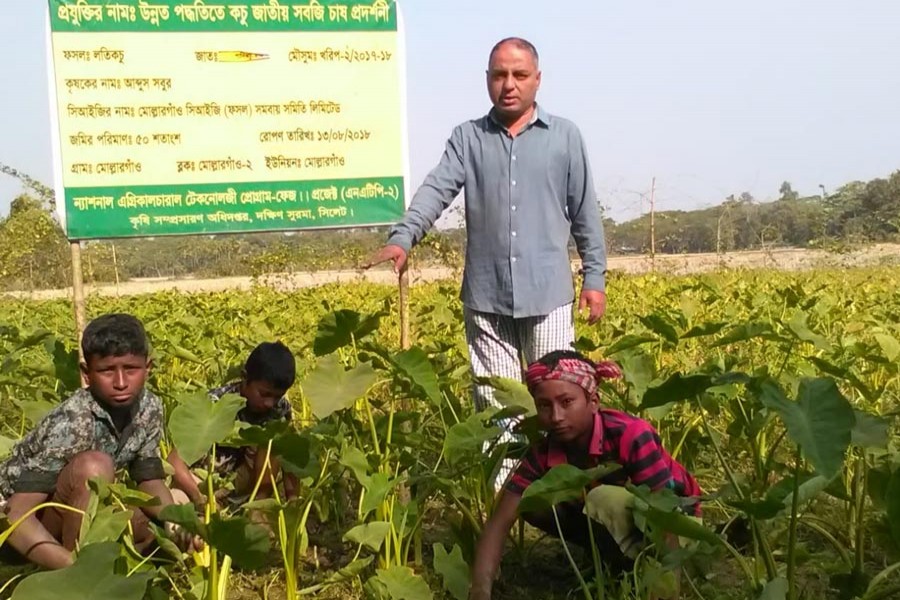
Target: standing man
528	188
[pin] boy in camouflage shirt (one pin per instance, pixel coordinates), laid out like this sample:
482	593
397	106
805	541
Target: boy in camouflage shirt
267	375
112	424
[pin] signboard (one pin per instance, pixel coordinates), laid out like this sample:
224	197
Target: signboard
214	116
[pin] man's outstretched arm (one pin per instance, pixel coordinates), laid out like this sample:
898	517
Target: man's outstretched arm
435	194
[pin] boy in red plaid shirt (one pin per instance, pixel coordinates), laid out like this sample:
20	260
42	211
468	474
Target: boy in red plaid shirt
579	432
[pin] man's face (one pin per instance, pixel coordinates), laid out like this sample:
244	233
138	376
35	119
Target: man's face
563	409
261	396
116	381
513	80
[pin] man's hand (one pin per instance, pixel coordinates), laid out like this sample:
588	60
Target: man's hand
389	252
595	302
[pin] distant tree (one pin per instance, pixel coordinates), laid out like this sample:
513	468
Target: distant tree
33	248
787	192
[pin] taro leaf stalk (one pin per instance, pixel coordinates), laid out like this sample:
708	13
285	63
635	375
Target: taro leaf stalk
819	423
560	484
196	426
691	387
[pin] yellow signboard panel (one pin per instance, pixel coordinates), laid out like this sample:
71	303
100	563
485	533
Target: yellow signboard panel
177	117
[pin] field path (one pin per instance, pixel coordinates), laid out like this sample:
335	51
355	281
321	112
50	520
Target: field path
786	259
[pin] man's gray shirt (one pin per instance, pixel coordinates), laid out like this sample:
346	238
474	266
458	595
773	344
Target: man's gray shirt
524	196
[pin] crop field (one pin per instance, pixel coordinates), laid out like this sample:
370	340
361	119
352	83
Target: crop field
778	390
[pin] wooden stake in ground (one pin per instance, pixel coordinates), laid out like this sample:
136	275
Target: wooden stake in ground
653	224
404	307
78	294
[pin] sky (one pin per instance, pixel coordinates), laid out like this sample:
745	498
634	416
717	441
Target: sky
710	97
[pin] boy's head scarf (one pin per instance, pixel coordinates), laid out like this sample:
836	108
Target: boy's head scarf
581	372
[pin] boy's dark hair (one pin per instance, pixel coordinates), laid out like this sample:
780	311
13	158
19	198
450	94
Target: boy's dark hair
551	359
273	363
115	334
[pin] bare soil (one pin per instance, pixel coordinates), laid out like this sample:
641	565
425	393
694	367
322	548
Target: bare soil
677	264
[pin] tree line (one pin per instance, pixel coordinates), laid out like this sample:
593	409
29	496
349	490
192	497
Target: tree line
34	252
857	213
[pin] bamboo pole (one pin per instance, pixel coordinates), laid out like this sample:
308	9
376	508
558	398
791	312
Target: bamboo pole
78	294
403	282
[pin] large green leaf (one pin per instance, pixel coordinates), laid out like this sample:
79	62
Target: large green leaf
184	354
638	370
414	363
677	388
890	347
820	421
6	446
799	327
878	480
560	484
35	410
776	589
511	392
184	515
165	544
660	325
807	491
106	526
65	364
870	431
91	577
245	542
341	328
744	332
256	435
370	535
703	330
379	486
468	438
197	423
330	388
453	570
403	584
680	524
628	341
843	373
768	508
892	500
355	459
122	493
292	450
39	337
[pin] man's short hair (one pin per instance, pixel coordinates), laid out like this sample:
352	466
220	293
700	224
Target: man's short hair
115	334
273	363
520	43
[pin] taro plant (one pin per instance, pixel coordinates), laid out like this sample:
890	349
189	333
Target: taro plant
197	425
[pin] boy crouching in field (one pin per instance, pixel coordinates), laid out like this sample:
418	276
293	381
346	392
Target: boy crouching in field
267	375
579	432
113	424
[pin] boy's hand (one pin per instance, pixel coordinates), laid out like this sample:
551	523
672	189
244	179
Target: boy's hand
185	540
199	501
